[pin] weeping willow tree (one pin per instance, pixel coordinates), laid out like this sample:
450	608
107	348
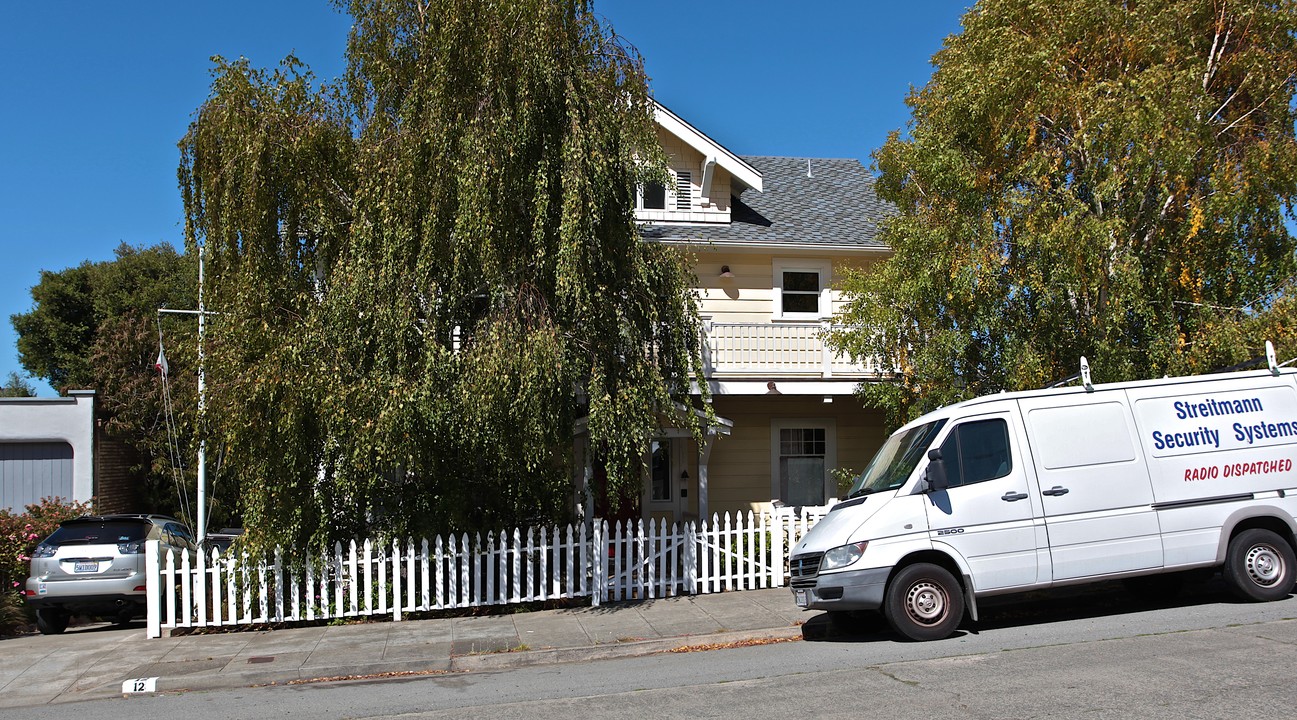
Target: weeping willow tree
429	271
1092	178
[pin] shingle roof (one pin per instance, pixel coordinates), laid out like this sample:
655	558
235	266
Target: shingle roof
835	206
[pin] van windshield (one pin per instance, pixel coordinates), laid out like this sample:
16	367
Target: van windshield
895	460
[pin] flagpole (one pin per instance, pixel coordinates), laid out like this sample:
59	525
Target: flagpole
201	312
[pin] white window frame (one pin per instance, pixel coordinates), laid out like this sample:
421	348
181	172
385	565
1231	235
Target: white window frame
824	268
639	200
830	427
679	462
672	470
672	211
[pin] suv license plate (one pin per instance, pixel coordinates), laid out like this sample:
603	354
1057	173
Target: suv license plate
86	567
799	595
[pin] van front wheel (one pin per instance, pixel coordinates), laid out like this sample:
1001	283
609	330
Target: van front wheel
1260	566
924	602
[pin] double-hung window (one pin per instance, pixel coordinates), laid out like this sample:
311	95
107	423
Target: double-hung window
802	453
801	289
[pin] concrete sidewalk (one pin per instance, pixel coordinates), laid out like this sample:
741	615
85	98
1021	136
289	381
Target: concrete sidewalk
94	661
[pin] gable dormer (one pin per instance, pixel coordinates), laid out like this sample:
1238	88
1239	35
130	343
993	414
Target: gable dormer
703	177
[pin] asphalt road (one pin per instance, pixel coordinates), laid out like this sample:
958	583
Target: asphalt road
1070	656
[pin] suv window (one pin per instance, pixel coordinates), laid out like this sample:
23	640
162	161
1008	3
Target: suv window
177	535
95	532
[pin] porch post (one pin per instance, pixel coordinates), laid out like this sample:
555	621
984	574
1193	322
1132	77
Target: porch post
702	474
707	347
825	351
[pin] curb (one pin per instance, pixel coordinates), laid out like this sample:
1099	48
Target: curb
487	662
610	651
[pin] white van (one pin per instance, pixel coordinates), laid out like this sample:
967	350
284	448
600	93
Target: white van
1022	491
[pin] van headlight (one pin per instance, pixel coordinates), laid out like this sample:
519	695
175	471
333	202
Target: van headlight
840	557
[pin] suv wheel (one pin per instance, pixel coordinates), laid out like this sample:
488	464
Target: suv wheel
51	621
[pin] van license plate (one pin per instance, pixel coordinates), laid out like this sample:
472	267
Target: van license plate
86	567
800	597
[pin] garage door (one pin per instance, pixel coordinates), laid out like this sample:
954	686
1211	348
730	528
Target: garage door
31	471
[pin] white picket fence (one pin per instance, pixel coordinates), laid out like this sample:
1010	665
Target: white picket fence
639	560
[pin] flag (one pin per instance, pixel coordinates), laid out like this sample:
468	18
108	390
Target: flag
161	363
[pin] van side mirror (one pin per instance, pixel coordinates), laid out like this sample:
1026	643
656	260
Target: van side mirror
936	471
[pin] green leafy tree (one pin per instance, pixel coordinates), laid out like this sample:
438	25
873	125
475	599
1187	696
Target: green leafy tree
1094	178
94	326
16	386
429	272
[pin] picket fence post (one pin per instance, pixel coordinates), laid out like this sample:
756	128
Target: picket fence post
396	580
599	563
691	558
152	587
186	592
279	584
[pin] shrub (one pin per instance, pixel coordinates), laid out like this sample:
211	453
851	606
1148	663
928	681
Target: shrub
19	535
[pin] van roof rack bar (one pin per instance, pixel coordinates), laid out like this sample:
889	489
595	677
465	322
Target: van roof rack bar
1249	363
1083	376
1060	383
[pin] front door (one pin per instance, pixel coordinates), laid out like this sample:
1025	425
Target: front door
988	513
664	485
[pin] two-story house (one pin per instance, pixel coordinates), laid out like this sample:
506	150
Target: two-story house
768	235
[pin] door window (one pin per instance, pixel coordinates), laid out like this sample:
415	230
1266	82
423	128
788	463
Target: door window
660	471
977	451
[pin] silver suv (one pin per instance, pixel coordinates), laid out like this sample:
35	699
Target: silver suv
94	565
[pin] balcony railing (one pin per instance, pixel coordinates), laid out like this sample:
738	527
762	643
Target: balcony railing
761	349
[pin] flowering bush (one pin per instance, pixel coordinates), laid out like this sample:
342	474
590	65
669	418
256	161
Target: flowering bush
19	535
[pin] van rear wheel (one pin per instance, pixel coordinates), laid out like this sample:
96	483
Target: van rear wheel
1260	566
924	602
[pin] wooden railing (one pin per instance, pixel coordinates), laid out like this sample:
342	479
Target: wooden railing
778	349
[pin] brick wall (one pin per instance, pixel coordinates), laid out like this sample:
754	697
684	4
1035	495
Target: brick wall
117	490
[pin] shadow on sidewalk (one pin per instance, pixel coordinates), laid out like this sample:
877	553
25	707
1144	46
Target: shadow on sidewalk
1033	608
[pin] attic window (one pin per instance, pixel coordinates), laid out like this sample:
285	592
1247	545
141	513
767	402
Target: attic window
654	197
684	190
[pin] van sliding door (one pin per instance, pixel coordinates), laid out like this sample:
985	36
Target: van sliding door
1094	483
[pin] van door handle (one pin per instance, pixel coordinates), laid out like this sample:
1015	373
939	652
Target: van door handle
1013	496
1056	490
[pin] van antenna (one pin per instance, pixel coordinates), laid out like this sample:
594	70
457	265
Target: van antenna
1270	359
1085	375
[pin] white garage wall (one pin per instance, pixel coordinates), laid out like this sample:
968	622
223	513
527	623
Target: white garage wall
47	448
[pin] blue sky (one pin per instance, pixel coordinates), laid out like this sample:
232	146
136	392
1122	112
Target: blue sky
97	95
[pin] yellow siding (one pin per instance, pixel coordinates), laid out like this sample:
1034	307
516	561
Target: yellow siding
749	295
740	468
